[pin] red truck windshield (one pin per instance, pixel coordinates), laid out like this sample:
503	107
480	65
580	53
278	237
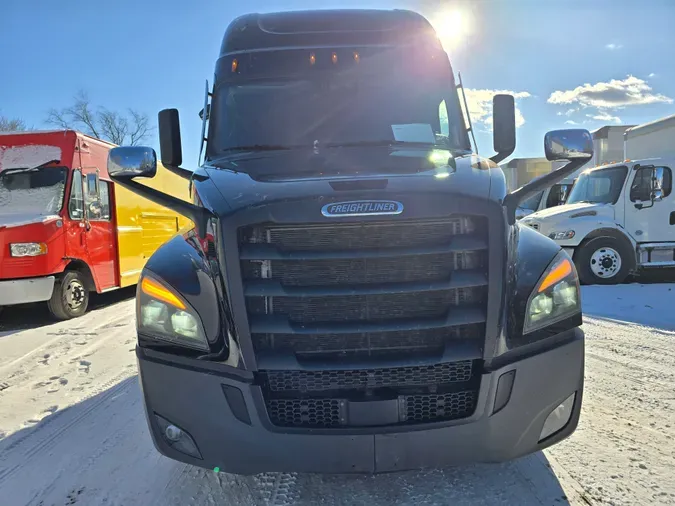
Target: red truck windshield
38	191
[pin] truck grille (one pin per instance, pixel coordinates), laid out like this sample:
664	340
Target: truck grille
407	342
326	413
383	291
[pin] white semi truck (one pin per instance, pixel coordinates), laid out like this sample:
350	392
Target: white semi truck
618	218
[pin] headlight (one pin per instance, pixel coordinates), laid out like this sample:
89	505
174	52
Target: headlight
163	315
27	249
555	297
559	236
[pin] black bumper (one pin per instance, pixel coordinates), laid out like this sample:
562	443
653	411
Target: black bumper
195	401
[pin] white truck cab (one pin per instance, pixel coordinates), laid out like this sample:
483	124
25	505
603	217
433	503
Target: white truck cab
550	197
618	218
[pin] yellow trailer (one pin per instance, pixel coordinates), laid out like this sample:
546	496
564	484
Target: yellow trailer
143	226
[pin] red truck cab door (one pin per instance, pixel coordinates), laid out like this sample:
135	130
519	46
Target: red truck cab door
100	236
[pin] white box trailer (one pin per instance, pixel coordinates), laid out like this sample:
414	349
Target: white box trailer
651	140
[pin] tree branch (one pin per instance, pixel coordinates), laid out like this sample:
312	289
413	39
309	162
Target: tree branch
103	123
12	124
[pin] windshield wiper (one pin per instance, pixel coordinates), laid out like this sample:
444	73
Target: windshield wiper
263	147
377	144
29	169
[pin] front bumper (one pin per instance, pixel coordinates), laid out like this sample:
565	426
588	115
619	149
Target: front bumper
23	291
195	401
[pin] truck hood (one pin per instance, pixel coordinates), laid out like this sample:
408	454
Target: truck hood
10	220
568	210
564	216
375	173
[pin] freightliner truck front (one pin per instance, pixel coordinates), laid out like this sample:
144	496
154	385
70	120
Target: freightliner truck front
356	295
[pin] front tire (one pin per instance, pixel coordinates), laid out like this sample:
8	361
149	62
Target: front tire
70	297
603	261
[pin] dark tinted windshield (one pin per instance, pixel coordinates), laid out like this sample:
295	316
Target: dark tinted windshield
599	186
334	108
38	191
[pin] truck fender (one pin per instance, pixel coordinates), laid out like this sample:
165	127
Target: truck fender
533	253
180	263
615	233
76	264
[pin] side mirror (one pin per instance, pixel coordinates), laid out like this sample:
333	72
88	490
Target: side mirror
570	144
132	161
503	126
169	138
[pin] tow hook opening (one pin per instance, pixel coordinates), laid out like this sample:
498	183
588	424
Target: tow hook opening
177	438
558	418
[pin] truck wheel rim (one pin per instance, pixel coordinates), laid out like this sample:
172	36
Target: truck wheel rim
75	294
606	263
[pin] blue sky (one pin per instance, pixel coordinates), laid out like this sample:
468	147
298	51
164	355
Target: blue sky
585	62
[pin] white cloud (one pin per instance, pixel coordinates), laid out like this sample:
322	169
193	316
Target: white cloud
613	46
614	94
603	116
652	74
571	122
480	105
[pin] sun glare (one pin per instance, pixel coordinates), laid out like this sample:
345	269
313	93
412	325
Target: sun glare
452	27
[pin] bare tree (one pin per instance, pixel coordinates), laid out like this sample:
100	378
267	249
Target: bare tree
130	129
11	124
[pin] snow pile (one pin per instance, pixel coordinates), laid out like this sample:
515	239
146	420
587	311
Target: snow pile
650	305
21	157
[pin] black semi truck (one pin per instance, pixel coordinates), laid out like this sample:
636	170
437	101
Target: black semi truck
355	294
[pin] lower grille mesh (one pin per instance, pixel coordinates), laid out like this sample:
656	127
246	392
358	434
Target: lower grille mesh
326	413
437	407
319	413
362	379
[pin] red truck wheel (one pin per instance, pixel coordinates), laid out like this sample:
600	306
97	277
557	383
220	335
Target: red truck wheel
70	297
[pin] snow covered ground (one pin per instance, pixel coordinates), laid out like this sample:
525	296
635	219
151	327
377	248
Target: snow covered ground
72	428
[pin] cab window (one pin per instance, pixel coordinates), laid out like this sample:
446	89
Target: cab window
76	202
98	199
641	189
104	194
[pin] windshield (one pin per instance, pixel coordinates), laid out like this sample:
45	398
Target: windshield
334	110
36	191
599	186
532	203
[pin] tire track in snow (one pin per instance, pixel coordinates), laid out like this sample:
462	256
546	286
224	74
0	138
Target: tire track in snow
53	428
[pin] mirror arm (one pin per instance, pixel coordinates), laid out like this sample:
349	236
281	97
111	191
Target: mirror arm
180	171
198	215
500	156
514	198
